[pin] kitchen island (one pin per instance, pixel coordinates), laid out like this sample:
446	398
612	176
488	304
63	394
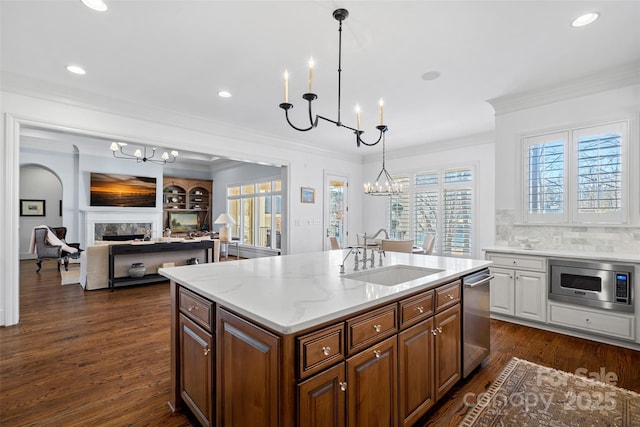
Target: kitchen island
285	341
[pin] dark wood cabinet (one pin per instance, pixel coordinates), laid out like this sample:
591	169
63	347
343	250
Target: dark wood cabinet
248	367
322	399
372	386
448	351
197	367
386	366
416	371
187	195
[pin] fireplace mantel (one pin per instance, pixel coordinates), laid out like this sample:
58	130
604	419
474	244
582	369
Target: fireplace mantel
109	215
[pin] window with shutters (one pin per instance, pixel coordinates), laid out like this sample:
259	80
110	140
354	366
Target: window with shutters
439	203
399	209
577	176
457	212
545	177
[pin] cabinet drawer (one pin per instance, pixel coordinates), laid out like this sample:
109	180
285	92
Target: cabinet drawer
198	309
527	262
605	323
447	295
320	349
369	328
414	309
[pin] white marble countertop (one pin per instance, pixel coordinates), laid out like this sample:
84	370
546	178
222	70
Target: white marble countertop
294	292
599	256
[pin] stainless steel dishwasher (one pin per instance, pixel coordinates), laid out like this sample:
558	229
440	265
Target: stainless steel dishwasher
476	325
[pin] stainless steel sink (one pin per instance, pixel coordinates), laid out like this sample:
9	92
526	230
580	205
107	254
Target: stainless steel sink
392	275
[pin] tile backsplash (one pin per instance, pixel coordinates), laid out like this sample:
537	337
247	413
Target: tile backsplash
567	238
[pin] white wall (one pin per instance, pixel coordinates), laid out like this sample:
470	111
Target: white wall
129	124
590	108
477	151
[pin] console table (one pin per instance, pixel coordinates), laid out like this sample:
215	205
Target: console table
153	248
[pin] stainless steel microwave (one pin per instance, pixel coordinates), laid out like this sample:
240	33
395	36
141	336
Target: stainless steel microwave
592	283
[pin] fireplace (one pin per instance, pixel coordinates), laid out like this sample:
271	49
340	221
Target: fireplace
113	222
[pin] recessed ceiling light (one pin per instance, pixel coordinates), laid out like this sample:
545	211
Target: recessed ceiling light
585	19
431	75
97	5
224	94
76	69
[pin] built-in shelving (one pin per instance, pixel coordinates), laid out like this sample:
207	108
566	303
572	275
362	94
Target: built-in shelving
187	195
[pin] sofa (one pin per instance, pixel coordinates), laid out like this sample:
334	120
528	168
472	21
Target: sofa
94	261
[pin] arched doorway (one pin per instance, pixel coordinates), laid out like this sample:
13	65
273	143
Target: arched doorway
40	203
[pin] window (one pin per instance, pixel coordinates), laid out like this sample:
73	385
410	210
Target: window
439	203
257	209
545	180
457	212
576	176
399	211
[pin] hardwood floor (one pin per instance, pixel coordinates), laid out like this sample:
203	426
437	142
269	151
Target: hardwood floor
102	358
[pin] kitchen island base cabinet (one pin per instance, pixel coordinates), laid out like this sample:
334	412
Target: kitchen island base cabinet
322	399
372	386
248	366
416	371
196	366
447	349
323	376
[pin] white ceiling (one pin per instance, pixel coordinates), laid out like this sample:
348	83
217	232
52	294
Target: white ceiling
176	55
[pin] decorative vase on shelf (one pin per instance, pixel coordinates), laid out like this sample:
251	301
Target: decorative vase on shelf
137	270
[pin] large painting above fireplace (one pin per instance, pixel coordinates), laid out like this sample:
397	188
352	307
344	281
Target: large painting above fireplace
122	190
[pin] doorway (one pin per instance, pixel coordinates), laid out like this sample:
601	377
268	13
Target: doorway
42	188
336	209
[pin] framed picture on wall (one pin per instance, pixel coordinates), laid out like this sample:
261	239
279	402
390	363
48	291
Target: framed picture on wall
307	195
32	207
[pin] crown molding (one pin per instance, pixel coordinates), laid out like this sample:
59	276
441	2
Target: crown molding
432	147
25	86
614	78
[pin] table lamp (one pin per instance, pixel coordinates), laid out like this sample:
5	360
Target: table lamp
225	219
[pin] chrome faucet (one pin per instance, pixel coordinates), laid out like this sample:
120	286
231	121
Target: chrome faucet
386	235
356	260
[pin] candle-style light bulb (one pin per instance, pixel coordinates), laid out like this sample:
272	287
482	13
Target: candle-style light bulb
358	116
286	86
381	112
311	64
138	153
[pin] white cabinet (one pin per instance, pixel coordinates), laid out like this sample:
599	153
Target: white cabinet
502	291
531	295
519	286
595	321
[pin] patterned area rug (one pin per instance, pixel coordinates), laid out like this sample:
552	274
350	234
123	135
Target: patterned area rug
526	394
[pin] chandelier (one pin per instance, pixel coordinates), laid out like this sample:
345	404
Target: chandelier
141	155
389	188
340	15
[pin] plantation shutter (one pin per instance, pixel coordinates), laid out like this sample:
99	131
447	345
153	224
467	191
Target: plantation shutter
600	173
457	212
399	209
425	201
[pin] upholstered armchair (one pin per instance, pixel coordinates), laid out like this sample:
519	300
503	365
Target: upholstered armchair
47	251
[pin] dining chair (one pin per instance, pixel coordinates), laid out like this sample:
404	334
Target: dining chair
397	245
334	243
428	243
